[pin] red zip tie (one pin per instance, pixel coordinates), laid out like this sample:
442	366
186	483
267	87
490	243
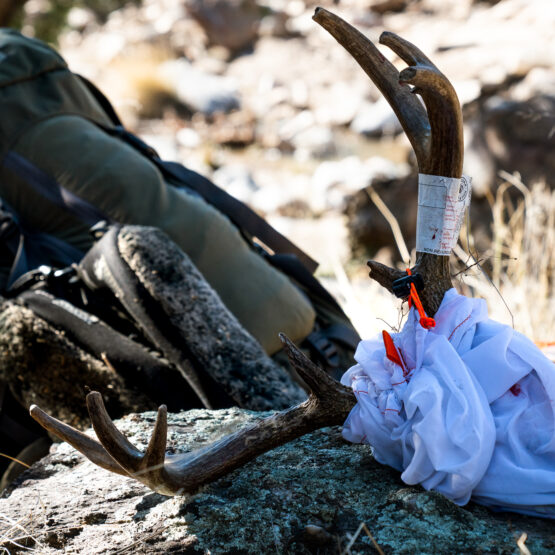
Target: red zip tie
390	349
425	321
394	354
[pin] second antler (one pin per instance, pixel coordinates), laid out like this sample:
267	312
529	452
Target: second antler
329	404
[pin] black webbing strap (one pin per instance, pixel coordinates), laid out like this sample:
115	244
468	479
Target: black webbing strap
240	214
101	99
3	387
29	249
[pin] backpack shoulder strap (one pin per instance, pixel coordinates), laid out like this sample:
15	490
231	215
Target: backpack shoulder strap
99	96
240	214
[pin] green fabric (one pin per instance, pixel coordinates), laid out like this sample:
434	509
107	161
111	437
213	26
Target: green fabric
35	84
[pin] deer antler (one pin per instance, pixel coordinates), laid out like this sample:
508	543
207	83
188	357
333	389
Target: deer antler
437	142
328	404
435	133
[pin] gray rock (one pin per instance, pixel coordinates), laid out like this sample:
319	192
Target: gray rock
274	25
188	138
309	496
337	104
315	142
333	181
229	23
522	136
376	120
79	18
478	159
309	139
200	91
540	81
44	367
368	228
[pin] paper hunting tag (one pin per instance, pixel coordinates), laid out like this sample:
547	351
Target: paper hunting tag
442	202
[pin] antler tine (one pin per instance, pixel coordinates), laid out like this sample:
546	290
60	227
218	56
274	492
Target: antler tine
446	152
385	76
444	112
113	441
407	51
80	441
156	449
147	468
383	274
328	405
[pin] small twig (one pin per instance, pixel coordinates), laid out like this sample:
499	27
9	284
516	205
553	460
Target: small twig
520	542
466	268
362	526
393	223
17	525
458	250
388	324
378	548
107	362
157	532
14	459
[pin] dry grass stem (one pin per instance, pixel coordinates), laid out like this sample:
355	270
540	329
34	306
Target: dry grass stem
393	223
520	542
362	526
15	460
522	255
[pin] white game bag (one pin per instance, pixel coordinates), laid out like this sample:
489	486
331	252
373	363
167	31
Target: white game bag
466	408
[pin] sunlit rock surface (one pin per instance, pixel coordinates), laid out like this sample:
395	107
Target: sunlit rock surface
309	496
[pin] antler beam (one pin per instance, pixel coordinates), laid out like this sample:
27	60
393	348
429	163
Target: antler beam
435	133
328	404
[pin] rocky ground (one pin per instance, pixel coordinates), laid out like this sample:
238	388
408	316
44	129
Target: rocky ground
310	496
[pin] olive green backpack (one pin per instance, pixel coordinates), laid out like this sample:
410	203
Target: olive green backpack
66	163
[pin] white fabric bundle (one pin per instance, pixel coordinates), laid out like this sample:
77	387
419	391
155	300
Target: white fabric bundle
470	413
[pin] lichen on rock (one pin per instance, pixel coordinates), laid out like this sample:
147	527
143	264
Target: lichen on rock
309	496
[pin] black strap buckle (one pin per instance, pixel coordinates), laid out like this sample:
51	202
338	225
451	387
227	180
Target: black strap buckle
28	280
43	276
324	349
401	286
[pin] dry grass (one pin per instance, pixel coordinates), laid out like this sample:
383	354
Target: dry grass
521	258
16	535
362	527
518	286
